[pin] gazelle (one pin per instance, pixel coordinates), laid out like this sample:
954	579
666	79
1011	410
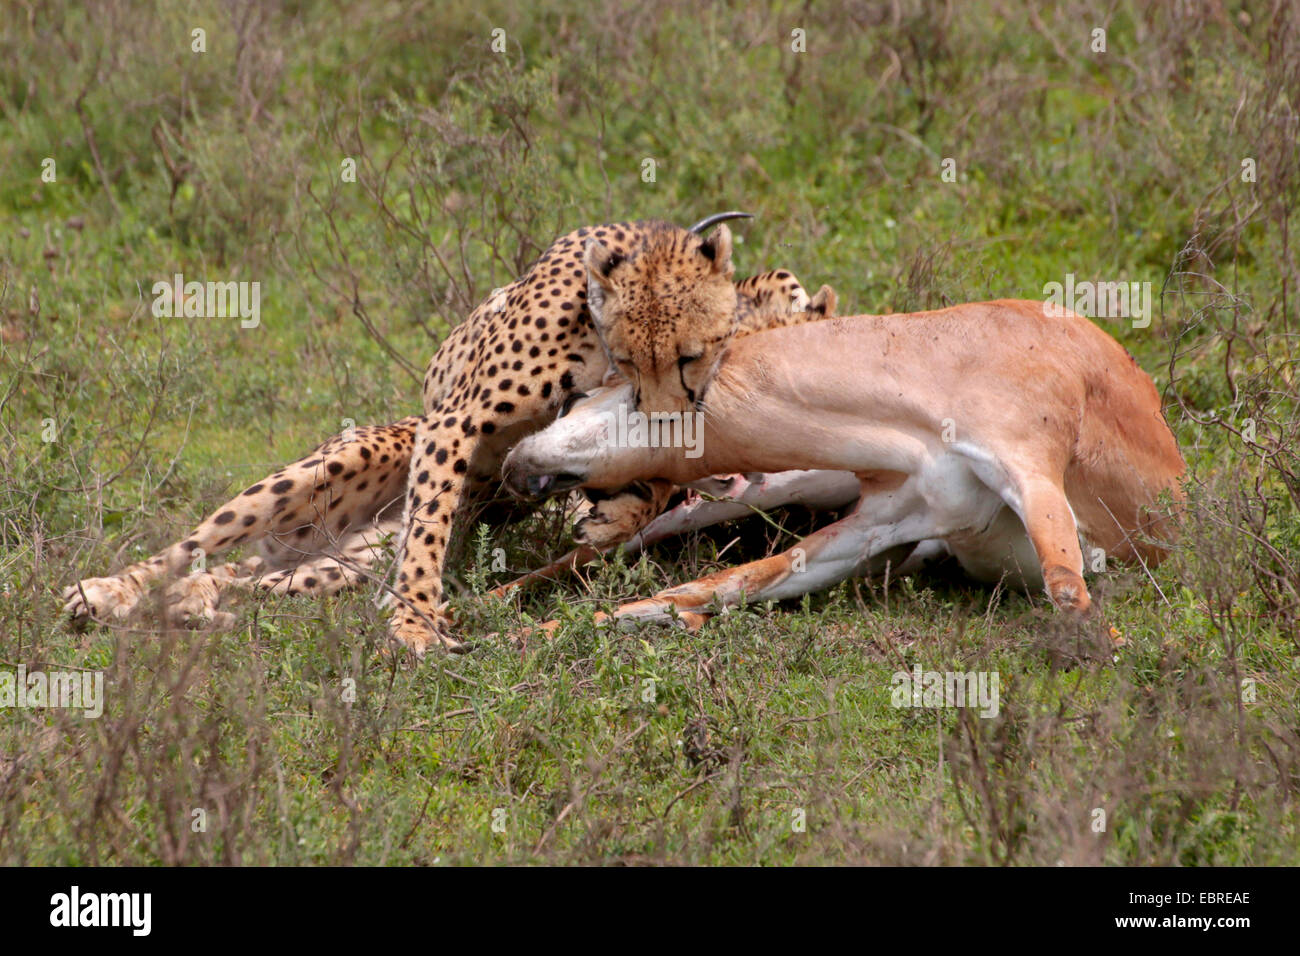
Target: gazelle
989	430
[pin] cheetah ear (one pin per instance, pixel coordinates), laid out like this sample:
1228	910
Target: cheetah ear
717	249
825	302
600	262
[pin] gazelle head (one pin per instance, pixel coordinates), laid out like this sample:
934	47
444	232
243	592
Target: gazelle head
584	446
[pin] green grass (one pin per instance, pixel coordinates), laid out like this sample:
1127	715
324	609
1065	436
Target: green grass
657	745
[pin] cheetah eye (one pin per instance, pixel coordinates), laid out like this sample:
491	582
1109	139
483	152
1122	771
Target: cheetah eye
572	399
686	360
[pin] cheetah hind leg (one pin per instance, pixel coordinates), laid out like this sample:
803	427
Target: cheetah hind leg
350	561
302	514
195	600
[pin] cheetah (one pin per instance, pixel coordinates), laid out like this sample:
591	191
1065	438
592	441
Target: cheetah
322	523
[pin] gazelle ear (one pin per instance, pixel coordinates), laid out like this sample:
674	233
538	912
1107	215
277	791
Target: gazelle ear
824	303
600	261
717	249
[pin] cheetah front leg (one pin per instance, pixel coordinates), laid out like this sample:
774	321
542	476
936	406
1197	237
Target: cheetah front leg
456	455
444	452
614	519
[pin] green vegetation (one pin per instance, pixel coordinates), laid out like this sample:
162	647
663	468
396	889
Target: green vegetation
1175	711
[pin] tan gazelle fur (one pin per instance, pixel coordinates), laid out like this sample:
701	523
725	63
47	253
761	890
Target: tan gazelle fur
988	430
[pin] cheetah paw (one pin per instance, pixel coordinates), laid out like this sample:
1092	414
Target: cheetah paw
100	599
409	631
192	602
613	521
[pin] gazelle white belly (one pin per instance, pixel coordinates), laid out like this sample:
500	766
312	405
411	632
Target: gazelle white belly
1001	552
970	502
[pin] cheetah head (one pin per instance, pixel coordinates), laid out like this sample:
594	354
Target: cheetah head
665	312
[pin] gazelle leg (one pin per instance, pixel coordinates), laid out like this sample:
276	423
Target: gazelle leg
826	557
736	497
743	495
1048	518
